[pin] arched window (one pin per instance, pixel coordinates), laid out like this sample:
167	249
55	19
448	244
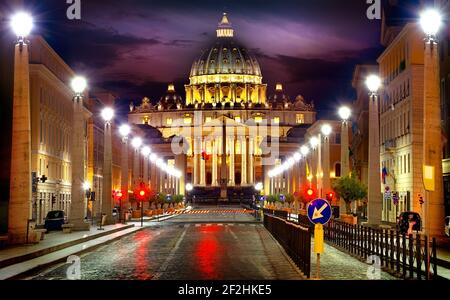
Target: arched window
337	169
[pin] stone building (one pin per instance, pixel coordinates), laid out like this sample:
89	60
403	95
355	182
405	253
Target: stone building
51	129
225	119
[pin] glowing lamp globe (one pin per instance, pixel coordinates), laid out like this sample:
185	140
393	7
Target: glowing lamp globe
146	151
314	141
107	114
373	83
79	84
136	142
345	113
22	24
125	130
259	186
86	185
297	156
304	150
430	21
326	129
189	187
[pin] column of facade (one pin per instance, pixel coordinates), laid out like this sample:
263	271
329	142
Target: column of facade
214	181
243	160
196	162
202	167
251	157
180	164
231	148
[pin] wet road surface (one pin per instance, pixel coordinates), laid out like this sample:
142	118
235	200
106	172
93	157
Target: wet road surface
188	248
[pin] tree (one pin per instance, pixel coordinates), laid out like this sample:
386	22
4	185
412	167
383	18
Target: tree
350	189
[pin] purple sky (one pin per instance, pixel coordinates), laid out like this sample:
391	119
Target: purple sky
134	48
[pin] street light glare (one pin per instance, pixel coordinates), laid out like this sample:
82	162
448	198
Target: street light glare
79	84
259	186
345	113
146	151
314	141
22	24
136	142
373	83
326	129
125	130
189	187
107	114
431	21
304	150
86	185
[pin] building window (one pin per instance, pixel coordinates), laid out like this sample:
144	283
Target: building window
258	119
169	121
237	119
337	170
276	120
338	138
300	119
187	120
146	120
208	119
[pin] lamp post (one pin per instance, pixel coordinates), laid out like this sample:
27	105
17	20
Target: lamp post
314	143
374	207
124	131
106	205
87	192
21	177
136	143
326	186
145	154
344	113
431	21
77	206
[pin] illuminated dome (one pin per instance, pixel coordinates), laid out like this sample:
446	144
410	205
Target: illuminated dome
225	73
226	56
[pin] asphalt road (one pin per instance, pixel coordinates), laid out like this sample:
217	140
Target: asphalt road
216	244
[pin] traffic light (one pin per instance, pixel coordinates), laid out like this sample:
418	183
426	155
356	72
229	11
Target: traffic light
330	196
310	194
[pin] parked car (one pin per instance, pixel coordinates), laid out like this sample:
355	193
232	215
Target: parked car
447	221
408	218
54	220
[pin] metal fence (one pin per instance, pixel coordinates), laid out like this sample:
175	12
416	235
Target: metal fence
410	257
295	239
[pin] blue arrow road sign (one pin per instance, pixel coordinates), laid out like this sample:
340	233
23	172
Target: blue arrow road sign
319	211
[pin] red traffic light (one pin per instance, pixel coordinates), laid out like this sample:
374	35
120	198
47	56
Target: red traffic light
310	192
330	196
142	193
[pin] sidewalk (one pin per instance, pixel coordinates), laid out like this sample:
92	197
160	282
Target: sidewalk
57	246
337	265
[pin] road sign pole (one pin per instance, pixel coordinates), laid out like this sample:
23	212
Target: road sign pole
318	265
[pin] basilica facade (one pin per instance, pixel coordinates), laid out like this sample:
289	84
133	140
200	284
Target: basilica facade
230	127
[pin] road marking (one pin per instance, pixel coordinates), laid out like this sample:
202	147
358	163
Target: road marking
171	255
233	234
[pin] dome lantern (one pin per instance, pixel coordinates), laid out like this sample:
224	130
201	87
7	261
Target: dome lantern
225	29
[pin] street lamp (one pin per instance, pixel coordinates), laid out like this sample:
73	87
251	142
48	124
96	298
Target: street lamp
146	151
431	21
22	24
326	131
314	142
124	131
304	150
345	113
78	85
374	206
107	114
107	204
20	181
136	142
